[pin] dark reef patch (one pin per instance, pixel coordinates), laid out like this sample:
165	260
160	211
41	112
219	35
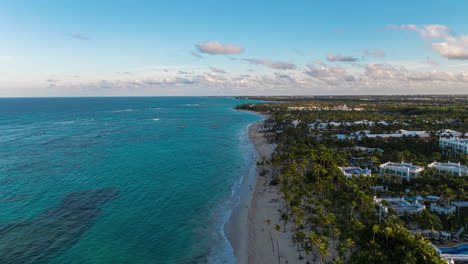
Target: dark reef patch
55	229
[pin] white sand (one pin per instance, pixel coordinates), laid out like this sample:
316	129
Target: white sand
265	244
254	241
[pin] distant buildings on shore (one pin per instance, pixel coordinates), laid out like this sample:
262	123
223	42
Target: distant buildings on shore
453	168
399	205
402	170
454	144
443	209
343	107
402	205
351	171
407	171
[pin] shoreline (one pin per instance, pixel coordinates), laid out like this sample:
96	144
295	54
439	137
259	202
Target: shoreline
235	228
252	239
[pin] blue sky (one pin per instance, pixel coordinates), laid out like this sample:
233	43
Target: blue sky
100	48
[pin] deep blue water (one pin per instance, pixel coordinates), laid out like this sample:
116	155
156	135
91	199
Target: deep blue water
119	180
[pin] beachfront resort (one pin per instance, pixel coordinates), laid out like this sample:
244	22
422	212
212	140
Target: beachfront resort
454	145
404	173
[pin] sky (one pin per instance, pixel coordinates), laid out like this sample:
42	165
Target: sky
165	48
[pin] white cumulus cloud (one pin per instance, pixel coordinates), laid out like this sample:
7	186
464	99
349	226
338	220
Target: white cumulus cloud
451	47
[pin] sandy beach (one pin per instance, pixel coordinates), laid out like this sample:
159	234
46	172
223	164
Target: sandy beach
253	239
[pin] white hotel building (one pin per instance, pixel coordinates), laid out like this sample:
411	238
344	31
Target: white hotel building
349	172
454	144
402	170
454	168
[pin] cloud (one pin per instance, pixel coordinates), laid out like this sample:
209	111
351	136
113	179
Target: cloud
214	47
427	32
371	78
183	72
321	63
377	53
333	58
453	48
298	51
52	80
196	55
334	76
272	64
432	62
383	71
283	76
435	32
179	80
387	75
80	36
401	75
217	70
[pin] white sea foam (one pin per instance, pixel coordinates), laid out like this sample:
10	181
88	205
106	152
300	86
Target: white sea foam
65	122
225	254
124	110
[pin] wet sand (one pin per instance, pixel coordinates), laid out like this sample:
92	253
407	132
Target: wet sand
253	239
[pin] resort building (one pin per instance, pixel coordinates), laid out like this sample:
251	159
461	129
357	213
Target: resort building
443	209
449	133
326	108
402	170
429	198
324	125
349	172
296	122
424	135
378	188
454	145
454	168
460	204
365	149
399	205
344	107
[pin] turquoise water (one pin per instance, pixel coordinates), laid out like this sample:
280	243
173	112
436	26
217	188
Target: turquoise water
457	250
119	180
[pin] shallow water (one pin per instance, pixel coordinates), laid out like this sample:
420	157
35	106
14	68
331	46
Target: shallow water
119	180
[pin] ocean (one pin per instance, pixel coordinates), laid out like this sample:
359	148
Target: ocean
120	180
